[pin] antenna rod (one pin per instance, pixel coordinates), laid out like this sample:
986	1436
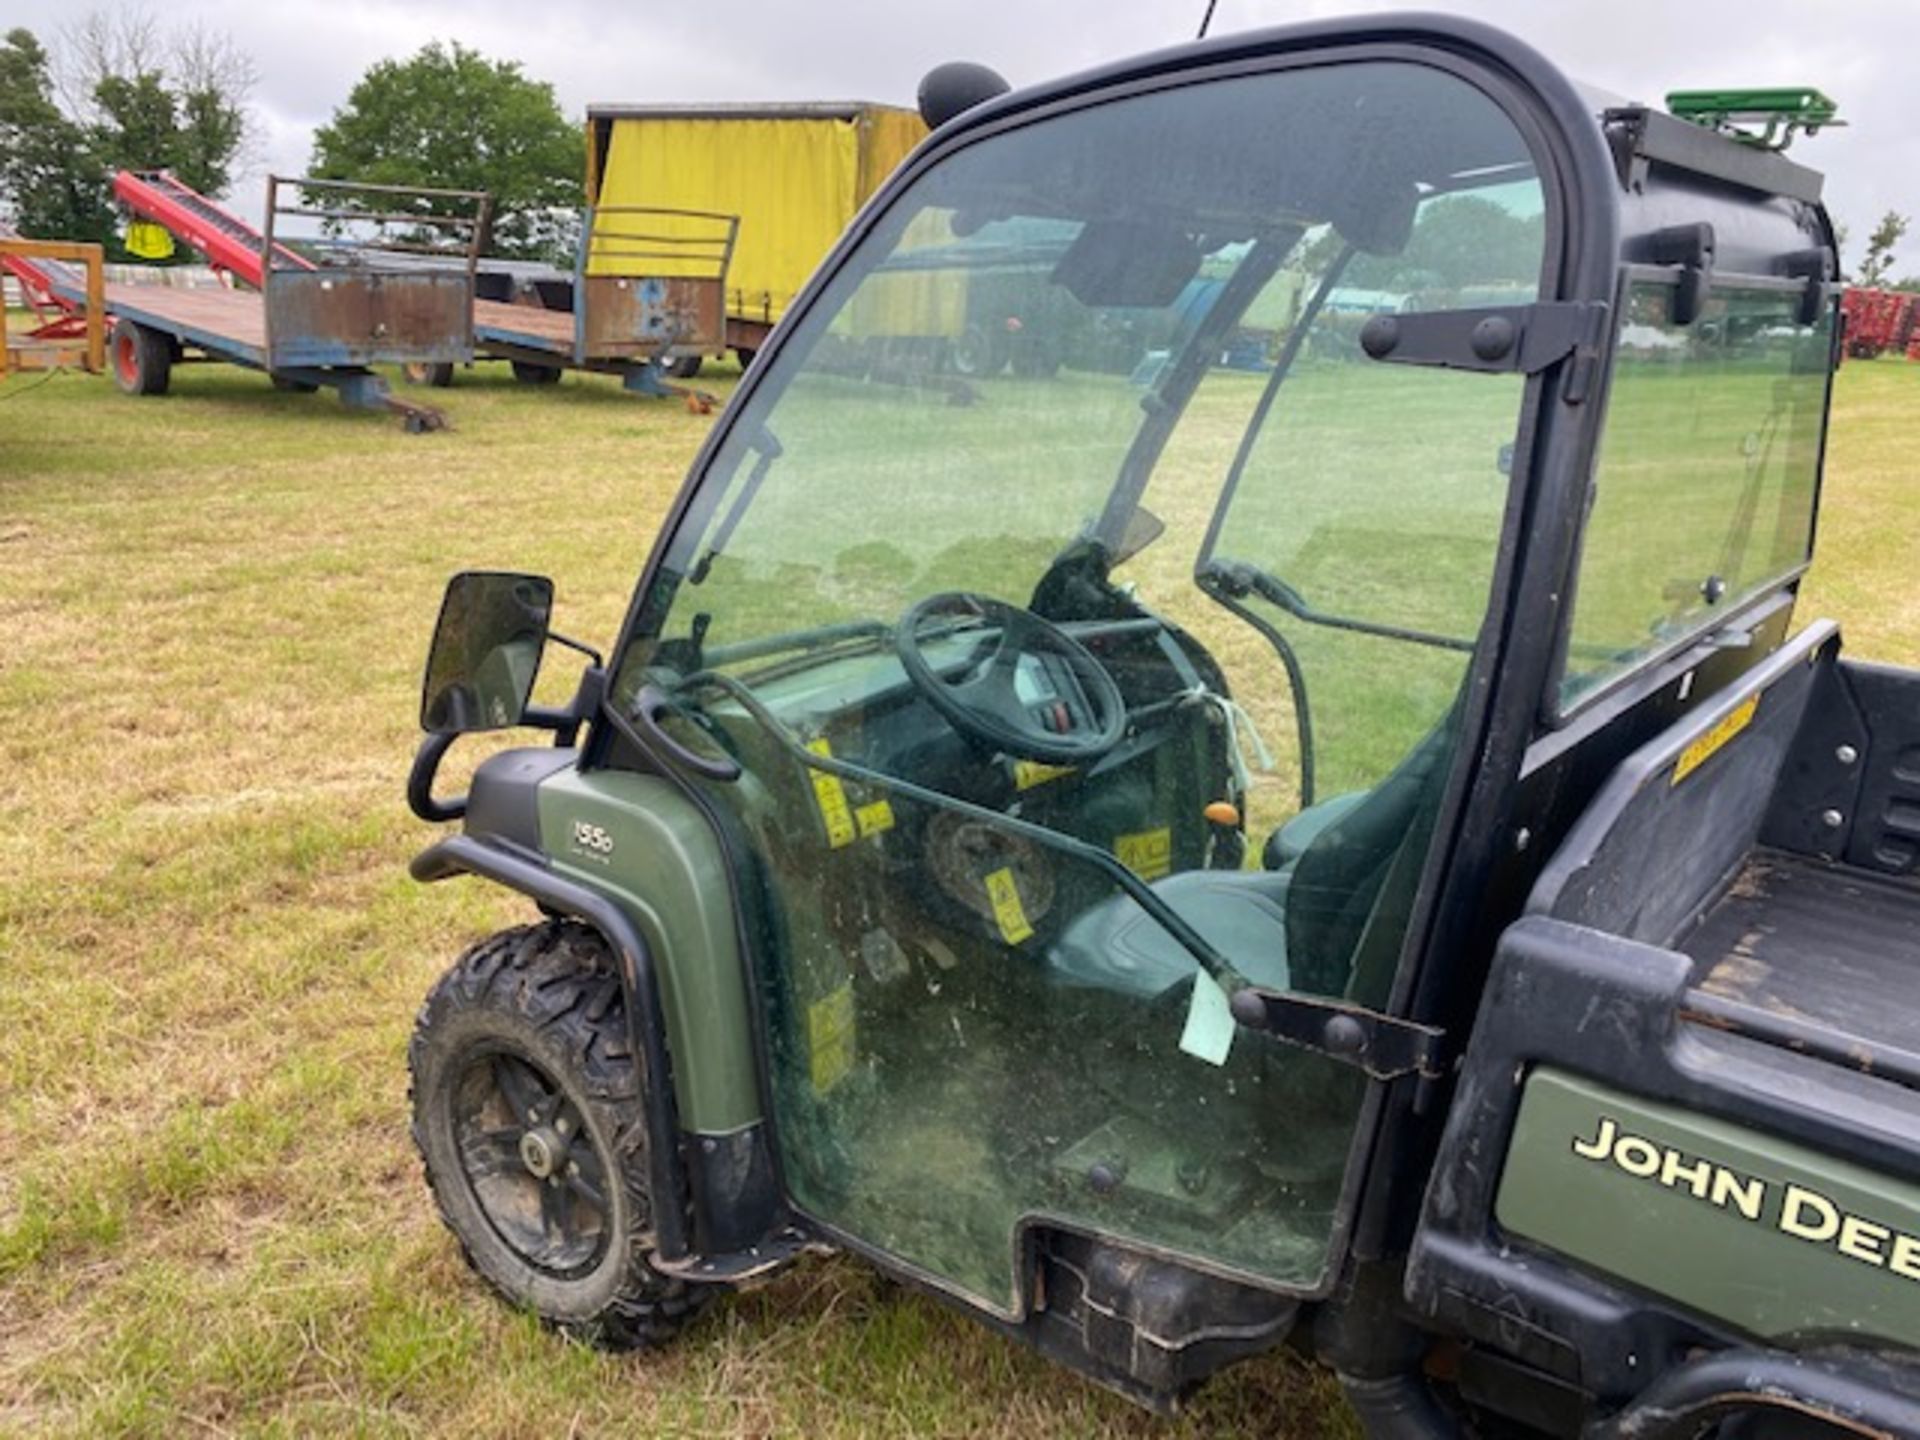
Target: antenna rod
1206	19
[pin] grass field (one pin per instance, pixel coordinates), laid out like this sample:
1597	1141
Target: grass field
210	954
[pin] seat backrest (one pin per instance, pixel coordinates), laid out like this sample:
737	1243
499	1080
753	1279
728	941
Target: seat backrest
1339	879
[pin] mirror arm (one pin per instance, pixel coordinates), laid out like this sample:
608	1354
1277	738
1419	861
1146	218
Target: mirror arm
426	764
565	723
593	656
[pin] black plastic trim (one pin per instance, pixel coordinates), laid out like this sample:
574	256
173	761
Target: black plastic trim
1852	1391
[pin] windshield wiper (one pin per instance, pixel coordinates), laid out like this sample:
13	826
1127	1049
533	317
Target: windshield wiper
1238	578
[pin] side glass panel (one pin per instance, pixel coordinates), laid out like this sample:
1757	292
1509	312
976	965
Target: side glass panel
1704	489
1362	530
1013	775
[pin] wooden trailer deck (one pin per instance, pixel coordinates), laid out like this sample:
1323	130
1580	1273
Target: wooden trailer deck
229	323
530	326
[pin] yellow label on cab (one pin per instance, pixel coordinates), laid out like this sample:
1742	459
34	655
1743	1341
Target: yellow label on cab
1148	853
830	1038
1709	744
831	796
874	818
1008	913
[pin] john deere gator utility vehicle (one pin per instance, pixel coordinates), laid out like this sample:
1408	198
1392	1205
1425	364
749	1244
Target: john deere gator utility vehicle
1349	848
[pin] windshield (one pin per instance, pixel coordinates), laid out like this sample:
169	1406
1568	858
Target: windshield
999	360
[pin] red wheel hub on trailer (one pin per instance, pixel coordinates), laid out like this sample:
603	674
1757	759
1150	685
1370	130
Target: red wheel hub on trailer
126	360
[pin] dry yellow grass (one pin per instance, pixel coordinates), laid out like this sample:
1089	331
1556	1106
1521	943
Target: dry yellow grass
210	953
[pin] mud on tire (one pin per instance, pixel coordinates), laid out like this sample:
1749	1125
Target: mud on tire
528	1115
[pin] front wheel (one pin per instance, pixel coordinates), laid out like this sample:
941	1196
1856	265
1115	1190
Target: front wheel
528	1114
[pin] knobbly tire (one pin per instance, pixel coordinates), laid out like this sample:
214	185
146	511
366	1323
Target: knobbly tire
528	1115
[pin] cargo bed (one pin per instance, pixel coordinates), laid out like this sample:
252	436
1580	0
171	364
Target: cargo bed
1716	984
1816	956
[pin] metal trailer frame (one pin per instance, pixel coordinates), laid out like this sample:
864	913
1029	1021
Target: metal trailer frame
310	324
628	323
69	332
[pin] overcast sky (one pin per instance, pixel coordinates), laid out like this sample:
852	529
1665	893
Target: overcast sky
1861	52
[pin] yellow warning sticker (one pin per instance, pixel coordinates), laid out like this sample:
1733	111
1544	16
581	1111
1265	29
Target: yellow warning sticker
1011	916
1029	773
874	818
1709	744
831	796
830	1038
1148	853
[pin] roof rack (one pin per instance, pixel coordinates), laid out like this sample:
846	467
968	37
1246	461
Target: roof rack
1781	113
1641	138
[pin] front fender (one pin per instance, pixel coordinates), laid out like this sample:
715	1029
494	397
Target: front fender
475	855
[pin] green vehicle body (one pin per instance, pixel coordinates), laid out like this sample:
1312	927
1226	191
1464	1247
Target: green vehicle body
639	841
1510	1075
1770	1236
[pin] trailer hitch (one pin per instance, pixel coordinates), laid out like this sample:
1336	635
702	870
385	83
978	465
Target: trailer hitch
1384	1046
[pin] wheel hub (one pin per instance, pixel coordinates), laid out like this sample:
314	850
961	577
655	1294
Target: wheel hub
531	1164
542	1152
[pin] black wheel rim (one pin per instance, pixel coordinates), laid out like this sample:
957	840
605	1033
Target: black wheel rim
533	1167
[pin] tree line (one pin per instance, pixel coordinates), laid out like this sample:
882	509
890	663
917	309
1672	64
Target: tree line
120	90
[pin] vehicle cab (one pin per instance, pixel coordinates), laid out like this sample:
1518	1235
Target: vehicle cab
1122	826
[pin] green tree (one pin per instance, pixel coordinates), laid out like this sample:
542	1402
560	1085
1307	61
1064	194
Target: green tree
50	181
158	99
449	118
121	92
1879	257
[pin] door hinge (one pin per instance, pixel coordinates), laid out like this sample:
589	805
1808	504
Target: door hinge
1498	339
1382	1045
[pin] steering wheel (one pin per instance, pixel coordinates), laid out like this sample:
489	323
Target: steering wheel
1040	695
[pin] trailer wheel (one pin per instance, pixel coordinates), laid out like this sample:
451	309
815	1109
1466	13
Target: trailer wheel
142	359
293	386
530	374
744	354
684	367
528	1113
437	374
979	353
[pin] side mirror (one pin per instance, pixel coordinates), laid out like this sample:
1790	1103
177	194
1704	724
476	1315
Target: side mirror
486	651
